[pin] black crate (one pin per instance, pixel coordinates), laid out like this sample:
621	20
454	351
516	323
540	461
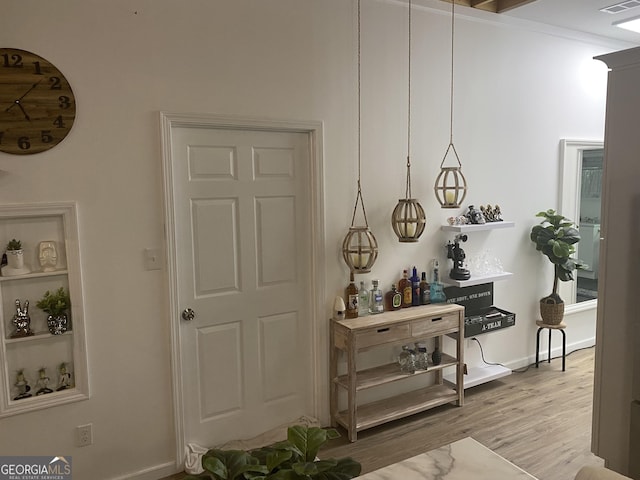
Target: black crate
488	321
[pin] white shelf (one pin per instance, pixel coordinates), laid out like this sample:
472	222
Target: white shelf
479	374
33	275
476	279
477	227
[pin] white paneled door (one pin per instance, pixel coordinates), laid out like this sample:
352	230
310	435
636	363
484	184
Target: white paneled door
243	248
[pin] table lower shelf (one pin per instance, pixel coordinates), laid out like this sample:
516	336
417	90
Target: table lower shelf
388	373
376	413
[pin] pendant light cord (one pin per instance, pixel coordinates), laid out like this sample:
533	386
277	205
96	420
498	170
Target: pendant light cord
453	4
408	185
359	195
451	145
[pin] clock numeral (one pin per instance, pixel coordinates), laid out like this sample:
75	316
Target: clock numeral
13	61
45	136
59	122
56	84
64	101
24	143
37	68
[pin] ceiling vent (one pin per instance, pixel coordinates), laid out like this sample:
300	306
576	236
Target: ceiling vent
621	7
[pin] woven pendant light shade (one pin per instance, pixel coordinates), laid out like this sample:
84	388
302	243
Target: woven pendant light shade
408	220
450	187
360	249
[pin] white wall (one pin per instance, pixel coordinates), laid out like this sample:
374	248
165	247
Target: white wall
518	92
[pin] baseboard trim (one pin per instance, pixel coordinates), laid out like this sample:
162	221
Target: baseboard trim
151	473
555	352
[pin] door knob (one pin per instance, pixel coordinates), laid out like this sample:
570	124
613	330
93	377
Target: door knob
188	314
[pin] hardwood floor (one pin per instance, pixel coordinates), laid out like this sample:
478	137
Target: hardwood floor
539	419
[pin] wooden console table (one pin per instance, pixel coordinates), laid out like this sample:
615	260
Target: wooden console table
405	326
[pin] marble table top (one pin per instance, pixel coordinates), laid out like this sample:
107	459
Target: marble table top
465	459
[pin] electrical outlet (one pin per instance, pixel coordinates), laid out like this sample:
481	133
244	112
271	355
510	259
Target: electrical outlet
84	435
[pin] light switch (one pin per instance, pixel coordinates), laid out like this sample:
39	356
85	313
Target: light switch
152	260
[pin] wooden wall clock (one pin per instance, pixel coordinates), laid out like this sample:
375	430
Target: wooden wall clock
37	106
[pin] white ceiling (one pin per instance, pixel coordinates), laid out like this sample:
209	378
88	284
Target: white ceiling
579	15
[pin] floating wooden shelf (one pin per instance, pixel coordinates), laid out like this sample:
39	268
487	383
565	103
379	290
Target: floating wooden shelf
476	280
477	227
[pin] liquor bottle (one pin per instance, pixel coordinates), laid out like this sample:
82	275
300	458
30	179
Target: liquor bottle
407	360
424	290
415	288
351	298
363	300
376	300
393	299
404	287
436	293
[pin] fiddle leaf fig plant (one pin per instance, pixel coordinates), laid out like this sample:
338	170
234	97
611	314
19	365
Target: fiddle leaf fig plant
556	237
292	459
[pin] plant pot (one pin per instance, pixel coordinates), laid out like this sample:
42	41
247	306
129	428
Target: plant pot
15	259
57	324
552	309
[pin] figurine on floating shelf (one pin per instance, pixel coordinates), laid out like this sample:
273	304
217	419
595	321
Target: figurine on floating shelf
459	220
22	321
22	385
491	214
43	382
65	377
475	217
456	253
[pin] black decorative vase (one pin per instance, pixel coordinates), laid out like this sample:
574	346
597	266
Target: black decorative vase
57	324
436	356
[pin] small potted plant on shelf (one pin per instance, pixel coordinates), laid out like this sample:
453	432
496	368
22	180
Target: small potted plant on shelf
292	459
56	304
556	237
15	256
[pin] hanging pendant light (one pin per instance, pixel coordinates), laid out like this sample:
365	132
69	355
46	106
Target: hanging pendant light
451	185
359	247
408	218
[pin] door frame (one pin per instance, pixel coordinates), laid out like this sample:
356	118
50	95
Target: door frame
314	131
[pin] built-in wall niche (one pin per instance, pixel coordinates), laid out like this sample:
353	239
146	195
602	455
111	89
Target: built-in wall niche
32	224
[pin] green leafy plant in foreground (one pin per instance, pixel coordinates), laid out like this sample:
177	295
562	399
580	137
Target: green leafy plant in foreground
292	459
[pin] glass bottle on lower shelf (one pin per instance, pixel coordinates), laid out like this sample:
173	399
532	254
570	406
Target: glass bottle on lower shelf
407	360
422	356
